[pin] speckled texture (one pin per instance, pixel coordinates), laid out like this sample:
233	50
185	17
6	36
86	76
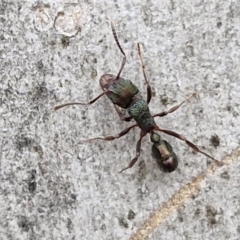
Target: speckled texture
54	185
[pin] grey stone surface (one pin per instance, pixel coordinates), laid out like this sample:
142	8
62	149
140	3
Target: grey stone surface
54	185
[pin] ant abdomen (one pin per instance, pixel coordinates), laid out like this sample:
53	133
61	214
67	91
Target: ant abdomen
163	153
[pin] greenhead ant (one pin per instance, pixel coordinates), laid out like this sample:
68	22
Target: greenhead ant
125	96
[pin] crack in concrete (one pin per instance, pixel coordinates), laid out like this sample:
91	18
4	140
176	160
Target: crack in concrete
179	198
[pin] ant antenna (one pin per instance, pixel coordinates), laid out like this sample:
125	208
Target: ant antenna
119	46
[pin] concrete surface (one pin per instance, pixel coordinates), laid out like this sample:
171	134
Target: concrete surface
54	185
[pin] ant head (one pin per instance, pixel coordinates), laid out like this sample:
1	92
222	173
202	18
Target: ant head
106	80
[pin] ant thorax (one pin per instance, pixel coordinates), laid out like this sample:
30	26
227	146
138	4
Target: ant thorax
140	112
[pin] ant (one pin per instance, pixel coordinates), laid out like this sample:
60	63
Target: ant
125	96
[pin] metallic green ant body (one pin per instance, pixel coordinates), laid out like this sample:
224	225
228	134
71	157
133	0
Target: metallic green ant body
139	111
125	96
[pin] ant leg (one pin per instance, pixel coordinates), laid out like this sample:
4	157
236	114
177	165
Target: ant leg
110	138
78	103
138	152
190	144
173	109
119	46
149	89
